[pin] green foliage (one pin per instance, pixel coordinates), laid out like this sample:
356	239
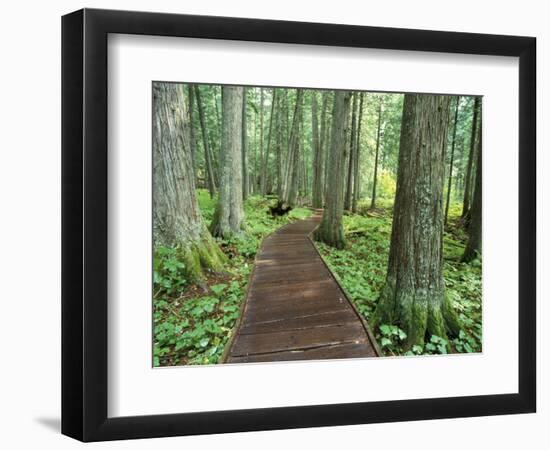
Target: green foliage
387	185
392	337
168	271
207	205
436	345
194	330
192	326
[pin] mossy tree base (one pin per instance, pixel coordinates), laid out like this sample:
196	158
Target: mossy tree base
330	235
201	256
224	225
421	314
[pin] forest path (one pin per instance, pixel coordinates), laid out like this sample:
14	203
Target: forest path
295	308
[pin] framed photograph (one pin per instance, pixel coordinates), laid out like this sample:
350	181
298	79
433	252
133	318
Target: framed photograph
273	224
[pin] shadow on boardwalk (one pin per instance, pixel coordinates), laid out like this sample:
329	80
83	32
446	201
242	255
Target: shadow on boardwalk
295	309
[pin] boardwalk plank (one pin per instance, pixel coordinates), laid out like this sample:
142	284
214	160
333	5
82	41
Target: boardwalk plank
350	350
246	344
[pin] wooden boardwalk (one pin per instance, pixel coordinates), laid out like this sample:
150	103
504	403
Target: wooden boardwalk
295	309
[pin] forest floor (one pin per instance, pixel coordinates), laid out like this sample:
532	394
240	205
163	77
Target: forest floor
192	324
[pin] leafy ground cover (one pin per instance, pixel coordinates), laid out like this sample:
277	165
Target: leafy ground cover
192	323
361	269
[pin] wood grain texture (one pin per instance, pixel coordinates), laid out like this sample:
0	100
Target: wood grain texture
294	308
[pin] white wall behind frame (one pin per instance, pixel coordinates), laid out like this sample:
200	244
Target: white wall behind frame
30	331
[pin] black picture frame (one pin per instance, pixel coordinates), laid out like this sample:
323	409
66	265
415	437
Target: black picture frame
84	224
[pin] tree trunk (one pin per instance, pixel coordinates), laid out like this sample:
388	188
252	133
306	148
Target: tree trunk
473	248
414	294
323	145
452	161
244	148
278	146
290	185
207	151
375	176
331	230
229	214
317	181
261	181
326	140
192	138
265	164
351	159
468	177
357	174
254	171
177	220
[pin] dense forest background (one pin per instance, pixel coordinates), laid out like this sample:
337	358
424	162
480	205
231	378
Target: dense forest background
399	180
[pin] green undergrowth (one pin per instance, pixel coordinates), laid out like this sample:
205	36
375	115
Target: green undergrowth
192	323
361	269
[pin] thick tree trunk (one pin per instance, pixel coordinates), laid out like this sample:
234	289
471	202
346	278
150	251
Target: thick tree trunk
449	185
357	172
471	156
331	230
375	175
351	159
211	180
473	247
229	214
244	148
414	294
317	181
177	218
290	185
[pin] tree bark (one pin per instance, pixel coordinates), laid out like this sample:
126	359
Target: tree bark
278	146
451	162
331	230
261	181
317	172
326	139
244	148
192	138
468	177
323	145
290	185
265	164
414	293
357	174
351	159
375	175
473	247
229	214
177	220
206	144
